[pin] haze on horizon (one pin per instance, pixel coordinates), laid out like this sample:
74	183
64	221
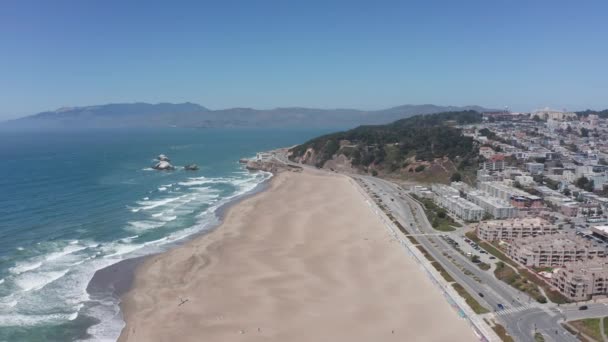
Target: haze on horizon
338	54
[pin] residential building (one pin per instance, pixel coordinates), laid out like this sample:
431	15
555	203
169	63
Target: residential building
494	163
497	208
554	250
581	280
535	168
449	198
507	230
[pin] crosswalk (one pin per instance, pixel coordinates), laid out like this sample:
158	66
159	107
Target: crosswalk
517	309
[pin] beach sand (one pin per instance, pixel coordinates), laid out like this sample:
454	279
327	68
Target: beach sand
305	260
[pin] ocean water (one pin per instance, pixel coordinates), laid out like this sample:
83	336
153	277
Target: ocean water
73	203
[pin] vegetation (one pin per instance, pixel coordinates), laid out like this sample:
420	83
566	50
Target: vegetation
538	337
424	137
443	272
511	277
589	327
585	184
472	302
502	333
602	113
438	217
456	177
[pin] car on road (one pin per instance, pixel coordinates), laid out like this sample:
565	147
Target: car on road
500	306
492	257
480	294
583	307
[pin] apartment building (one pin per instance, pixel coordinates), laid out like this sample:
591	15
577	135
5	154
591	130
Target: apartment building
581	280
514	196
497	208
449	199
554	250
507	230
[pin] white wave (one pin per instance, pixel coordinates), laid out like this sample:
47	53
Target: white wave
24	266
1	280
155	204
146	198
144	225
147	169
168	218
37	280
162	188
20	248
16	319
166	185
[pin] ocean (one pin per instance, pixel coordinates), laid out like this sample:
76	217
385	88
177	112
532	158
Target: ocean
74	203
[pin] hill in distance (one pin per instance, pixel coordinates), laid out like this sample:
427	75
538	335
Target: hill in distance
145	115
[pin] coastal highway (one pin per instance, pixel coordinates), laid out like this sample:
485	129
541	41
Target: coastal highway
522	316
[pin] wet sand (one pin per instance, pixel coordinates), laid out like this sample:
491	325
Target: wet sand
305	260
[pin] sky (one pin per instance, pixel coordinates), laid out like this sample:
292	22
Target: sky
327	54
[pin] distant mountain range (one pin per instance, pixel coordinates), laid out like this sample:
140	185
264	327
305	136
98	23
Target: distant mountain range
145	115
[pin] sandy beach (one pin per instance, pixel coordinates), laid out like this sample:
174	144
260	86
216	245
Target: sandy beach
305	260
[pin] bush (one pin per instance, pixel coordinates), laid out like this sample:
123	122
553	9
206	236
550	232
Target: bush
419	168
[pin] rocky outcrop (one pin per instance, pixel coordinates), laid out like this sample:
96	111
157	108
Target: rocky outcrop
163	163
191	167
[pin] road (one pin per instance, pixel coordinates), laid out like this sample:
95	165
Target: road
522	316
539	318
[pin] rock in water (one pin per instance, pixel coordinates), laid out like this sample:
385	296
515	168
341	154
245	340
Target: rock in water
162	157
191	167
163	165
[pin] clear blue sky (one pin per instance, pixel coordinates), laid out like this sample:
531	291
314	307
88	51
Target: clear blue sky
263	54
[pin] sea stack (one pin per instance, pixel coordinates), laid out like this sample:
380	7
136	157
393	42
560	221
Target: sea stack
163	163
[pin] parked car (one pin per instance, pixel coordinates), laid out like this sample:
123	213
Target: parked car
500	306
492	257
583	307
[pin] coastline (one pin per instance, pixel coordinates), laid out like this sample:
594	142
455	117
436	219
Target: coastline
227	281
114	281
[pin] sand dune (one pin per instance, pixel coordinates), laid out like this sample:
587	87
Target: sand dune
306	260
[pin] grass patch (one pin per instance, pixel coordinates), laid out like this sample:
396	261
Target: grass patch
553	294
443	272
502	333
483	266
474	304
425	253
538	337
605	322
438	217
589	327
511	277
472	236
412	239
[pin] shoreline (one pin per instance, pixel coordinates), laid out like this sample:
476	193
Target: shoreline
223	278
115	280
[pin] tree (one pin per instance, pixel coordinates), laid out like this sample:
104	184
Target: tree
419	168
456	177
584	183
567	192
584	132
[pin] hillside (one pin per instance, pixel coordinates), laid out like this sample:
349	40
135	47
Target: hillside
422	147
132	115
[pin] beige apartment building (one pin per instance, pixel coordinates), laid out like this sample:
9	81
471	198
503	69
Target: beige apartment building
507	230
554	250
582	280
